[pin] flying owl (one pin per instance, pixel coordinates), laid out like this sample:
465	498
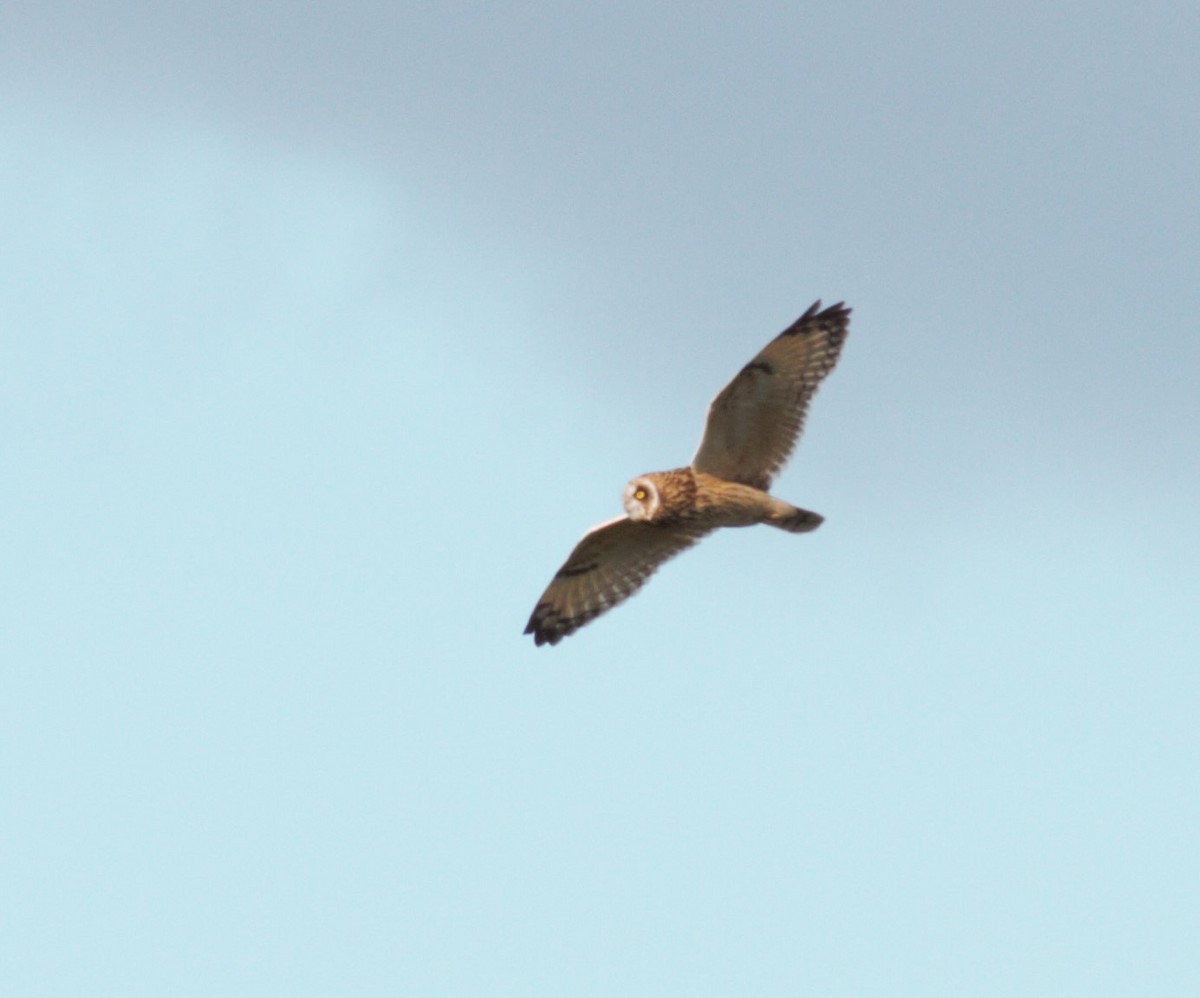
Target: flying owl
752	426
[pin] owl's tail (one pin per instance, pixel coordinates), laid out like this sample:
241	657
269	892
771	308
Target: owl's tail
793	519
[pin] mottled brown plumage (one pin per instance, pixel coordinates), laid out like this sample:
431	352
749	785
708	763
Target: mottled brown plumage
754	423
752	428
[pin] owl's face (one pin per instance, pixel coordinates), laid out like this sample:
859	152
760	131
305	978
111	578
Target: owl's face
642	500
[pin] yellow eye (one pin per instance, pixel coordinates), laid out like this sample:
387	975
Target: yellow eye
639	495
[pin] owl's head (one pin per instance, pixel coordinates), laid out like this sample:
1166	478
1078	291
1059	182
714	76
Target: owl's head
642	499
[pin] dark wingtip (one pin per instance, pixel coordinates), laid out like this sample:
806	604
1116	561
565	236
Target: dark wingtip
544	637
543	632
815	312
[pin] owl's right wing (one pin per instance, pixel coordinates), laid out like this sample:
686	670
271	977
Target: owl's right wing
610	564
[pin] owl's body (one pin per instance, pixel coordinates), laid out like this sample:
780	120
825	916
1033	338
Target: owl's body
753	424
689	497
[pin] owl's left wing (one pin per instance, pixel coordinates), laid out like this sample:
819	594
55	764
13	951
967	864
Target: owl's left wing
753	424
610	564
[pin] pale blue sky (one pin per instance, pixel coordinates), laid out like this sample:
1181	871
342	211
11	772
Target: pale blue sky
327	331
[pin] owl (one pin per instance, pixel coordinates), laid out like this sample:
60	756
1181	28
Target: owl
752	427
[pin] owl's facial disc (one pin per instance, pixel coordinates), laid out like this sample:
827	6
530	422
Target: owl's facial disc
640	500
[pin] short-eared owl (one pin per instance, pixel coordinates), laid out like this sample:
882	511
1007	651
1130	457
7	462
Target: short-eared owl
753	424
